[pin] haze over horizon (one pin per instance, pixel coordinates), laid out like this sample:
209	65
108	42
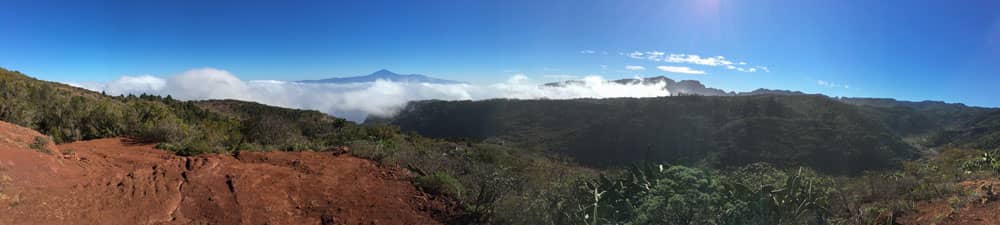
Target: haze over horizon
917	50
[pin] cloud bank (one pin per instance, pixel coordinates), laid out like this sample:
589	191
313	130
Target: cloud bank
355	101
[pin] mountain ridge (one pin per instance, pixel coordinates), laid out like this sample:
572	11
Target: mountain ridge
384	74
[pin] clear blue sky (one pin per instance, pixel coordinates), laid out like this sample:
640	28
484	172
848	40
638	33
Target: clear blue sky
913	49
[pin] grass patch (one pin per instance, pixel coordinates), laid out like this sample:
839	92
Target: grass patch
440	183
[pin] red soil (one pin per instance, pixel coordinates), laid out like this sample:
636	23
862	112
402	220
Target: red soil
110	181
981	210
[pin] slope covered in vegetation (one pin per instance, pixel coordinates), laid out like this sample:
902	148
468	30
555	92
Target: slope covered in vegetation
983	132
69	113
785	130
916	119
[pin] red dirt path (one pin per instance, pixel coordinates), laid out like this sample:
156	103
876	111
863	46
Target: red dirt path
110	181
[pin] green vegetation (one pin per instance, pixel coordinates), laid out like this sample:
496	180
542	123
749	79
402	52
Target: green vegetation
915	118
785	130
40	144
983	132
682	195
988	161
67	113
763	194
497	184
440	183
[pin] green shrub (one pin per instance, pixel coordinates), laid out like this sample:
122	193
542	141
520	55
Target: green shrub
298	147
440	183
169	146
188	149
40	144
989	161
759	194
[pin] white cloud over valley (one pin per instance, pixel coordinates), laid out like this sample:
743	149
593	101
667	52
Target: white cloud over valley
355	101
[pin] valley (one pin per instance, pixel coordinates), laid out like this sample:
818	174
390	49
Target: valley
717	159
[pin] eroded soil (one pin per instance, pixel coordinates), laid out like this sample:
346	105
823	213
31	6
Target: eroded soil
112	181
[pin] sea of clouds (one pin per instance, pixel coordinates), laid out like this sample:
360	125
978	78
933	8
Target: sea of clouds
355	101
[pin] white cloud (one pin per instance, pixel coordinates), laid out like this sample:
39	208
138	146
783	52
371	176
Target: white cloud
207	83
355	101
134	84
635	55
587	52
831	84
634	68
716	61
695	59
680	69
655	55
650	55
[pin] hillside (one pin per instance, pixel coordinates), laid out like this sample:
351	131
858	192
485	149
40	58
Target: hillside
68	113
114	181
983	132
917	118
786	130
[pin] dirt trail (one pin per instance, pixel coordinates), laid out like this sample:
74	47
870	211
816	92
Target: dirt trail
110	181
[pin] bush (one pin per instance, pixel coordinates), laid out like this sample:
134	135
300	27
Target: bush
656	194
40	144
187	149
167	130
298	147
440	183
989	161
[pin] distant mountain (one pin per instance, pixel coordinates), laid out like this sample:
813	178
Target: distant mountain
384	75
763	91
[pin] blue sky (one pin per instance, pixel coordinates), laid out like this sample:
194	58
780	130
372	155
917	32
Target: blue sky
915	50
